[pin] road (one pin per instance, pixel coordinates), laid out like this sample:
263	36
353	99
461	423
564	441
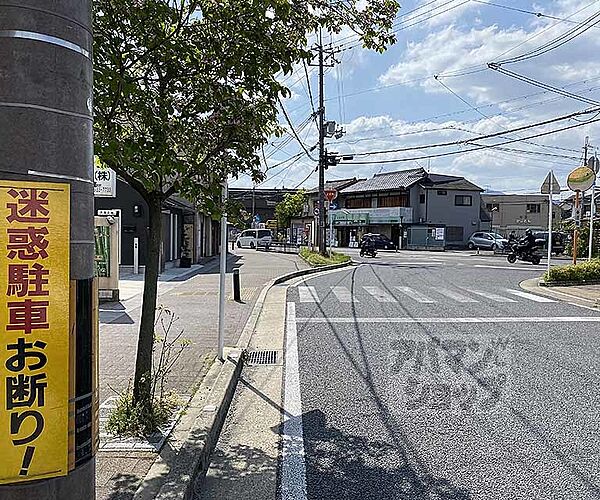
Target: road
434	376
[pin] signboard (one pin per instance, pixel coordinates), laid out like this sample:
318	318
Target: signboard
331	194
439	233
105	182
550	181
581	179
102	255
34	350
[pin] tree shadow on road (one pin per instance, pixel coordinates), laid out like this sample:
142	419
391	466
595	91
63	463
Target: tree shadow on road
345	466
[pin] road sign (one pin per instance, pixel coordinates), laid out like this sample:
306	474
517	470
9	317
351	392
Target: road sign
594	163
331	194
581	179
316	211
545	189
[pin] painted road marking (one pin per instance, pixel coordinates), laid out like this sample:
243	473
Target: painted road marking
530	296
413	294
492	296
379	294
513	319
342	294
293	467
535	269
308	294
451	294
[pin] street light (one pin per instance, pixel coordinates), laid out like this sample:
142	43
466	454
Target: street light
494	209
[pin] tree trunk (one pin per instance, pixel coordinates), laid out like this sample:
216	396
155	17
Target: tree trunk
143	363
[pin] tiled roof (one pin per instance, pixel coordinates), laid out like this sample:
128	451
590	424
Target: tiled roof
388	181
338	184
449	182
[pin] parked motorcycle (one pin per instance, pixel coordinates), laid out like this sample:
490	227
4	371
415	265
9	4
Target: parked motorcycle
528	255
369	252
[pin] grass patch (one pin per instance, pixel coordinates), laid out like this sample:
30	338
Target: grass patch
578	273
315	259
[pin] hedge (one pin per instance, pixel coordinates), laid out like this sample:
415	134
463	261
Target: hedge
583	272
315	259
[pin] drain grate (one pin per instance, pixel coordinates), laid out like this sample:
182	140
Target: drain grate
263	357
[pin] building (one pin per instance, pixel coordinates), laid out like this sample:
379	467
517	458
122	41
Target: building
519	212
184	230
259	204
412	207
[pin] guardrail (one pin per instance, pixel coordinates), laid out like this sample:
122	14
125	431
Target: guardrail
279	247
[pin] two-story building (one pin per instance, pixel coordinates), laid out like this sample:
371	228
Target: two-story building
412	207
519	212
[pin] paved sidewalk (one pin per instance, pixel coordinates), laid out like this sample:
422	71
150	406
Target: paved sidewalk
587	295
195	301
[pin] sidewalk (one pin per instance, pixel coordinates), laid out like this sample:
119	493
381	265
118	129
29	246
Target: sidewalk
585	295
195	301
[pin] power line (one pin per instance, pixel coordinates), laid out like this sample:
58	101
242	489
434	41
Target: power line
488	136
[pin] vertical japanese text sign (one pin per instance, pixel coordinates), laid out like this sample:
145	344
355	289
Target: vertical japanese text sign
34	329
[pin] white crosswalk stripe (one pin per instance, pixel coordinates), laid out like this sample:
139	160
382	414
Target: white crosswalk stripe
378	294
308	294
413	294
530	296
492	296
343	294
451	294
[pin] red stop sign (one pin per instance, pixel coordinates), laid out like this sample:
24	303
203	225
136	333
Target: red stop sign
330	194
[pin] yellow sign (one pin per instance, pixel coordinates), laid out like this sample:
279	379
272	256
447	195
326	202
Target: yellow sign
34	329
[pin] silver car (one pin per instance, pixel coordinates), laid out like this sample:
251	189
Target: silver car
488	241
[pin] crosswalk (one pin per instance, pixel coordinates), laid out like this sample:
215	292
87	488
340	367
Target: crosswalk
425	295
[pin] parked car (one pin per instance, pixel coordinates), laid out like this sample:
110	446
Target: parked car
558	241
382	242
489	241
252	238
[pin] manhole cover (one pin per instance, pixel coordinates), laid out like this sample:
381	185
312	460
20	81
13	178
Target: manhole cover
263	357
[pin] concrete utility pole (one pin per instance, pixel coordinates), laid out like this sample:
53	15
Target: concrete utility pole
46	136
322	152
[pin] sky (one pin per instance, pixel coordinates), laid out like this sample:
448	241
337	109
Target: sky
434	86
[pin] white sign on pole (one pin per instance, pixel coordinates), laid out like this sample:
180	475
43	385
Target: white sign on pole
105	183
439	233
550	184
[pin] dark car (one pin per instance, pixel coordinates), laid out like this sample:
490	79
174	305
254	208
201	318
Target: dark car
558	241
382	242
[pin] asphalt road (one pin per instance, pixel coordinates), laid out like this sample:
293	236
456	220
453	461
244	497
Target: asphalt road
434	376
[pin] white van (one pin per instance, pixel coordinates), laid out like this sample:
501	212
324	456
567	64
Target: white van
254	238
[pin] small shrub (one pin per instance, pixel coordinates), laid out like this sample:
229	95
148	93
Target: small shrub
585	271
134	419
315	259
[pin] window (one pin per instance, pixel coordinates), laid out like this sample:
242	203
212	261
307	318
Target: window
533	208
478	235
262	233
455	233
461	200
442	192
358	203
421	198
398	200
492	206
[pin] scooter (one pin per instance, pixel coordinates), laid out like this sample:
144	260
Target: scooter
369	252
524	255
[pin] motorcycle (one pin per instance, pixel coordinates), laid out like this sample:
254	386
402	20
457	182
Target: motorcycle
526	255
368	251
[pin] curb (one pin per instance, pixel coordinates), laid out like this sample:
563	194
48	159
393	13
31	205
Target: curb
185	457
186	454
568	283
534	285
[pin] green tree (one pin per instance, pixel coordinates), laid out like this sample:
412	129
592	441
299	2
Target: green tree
290	207
186	95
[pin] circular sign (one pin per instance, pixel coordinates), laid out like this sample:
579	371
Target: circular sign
581	179
316	211
330	194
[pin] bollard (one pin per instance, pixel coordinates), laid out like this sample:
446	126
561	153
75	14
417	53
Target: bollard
236	286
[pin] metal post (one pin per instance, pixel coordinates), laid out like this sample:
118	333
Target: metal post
223	269
330	230
550	223
322	152
592	210
46	136
576	230
136	256
237	296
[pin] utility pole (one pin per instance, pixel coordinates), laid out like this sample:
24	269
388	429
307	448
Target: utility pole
48	442
322	152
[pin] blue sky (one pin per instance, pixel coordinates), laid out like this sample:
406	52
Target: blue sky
392	100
